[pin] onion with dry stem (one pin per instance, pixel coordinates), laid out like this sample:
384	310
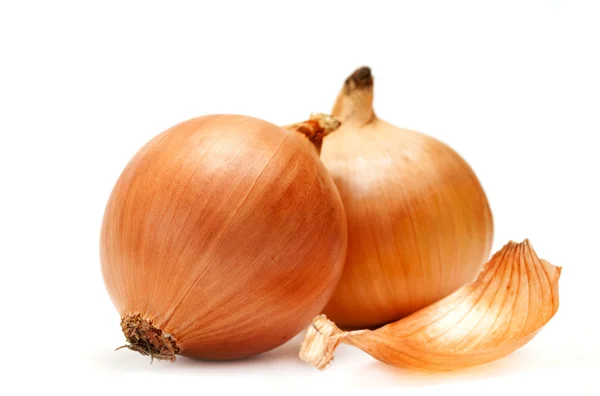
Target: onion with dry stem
514	296
419	222
223	237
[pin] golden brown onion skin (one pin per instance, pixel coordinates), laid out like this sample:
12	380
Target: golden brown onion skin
419	222
226	232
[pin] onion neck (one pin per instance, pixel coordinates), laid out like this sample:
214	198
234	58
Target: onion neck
148	340
315	129
354	104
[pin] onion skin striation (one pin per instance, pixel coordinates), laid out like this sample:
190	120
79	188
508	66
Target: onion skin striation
419	222
223	237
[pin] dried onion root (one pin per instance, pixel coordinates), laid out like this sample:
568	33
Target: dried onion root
515	295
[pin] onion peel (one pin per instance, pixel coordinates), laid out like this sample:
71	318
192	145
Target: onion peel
514	296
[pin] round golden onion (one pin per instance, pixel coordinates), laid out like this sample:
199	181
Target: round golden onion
223	237
419	222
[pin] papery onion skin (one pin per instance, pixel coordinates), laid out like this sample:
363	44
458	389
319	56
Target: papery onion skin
512	299
223	237
419	222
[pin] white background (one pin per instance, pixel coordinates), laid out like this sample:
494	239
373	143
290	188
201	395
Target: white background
514	87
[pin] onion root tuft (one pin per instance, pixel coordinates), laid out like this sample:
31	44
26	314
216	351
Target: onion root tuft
148	340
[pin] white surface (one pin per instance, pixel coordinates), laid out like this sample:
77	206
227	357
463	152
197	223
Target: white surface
514	87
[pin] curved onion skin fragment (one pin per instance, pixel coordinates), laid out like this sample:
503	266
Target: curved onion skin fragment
515	295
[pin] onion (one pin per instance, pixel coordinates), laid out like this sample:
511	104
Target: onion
223	237
419	222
